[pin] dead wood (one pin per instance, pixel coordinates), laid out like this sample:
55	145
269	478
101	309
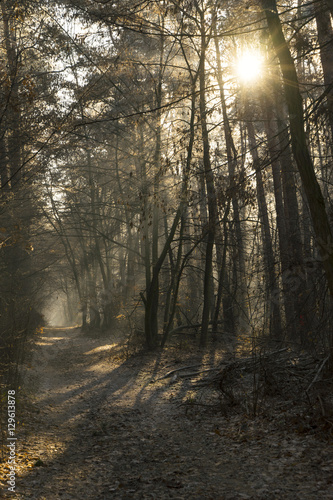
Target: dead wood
320	369
171	372
186	375
196	326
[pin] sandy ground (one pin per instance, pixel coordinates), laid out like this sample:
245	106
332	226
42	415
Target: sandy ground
98	425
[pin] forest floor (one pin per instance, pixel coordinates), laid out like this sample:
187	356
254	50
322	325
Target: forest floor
97	424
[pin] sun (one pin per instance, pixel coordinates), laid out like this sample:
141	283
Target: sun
249	66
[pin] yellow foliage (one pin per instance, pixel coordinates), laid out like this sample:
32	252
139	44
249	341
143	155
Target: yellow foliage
120	316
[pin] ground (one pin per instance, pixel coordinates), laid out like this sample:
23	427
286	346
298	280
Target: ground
98	424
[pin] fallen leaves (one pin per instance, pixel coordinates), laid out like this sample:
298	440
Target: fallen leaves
115	435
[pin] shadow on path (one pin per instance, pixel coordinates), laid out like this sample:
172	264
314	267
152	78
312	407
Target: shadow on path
103	427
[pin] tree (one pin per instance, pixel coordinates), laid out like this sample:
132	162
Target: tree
299	144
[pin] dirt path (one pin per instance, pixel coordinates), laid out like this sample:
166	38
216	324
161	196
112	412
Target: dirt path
99	429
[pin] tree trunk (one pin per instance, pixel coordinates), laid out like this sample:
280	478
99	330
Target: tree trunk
13	119
290	267
271	284
298	141
211	195
330	6
176	273
299	145
325	39
222	273
232	161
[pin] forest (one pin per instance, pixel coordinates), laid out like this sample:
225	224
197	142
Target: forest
166	174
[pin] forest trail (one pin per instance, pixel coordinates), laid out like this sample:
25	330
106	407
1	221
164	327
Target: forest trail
98	428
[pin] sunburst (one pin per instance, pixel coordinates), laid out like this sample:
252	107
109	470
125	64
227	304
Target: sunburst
249	66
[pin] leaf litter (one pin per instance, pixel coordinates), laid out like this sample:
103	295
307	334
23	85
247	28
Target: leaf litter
99	424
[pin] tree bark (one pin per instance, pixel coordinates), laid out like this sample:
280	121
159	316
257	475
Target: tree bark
211	195
271	285
300	148
232	162
325	39
290	257
330	6
298	140
13	119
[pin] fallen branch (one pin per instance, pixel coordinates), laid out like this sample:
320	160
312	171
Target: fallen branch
193	374
318	373
175	371
189	327
244	364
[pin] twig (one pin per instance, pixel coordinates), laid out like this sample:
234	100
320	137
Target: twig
321	406
174	371
318	373
189	327
144	300
200	371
